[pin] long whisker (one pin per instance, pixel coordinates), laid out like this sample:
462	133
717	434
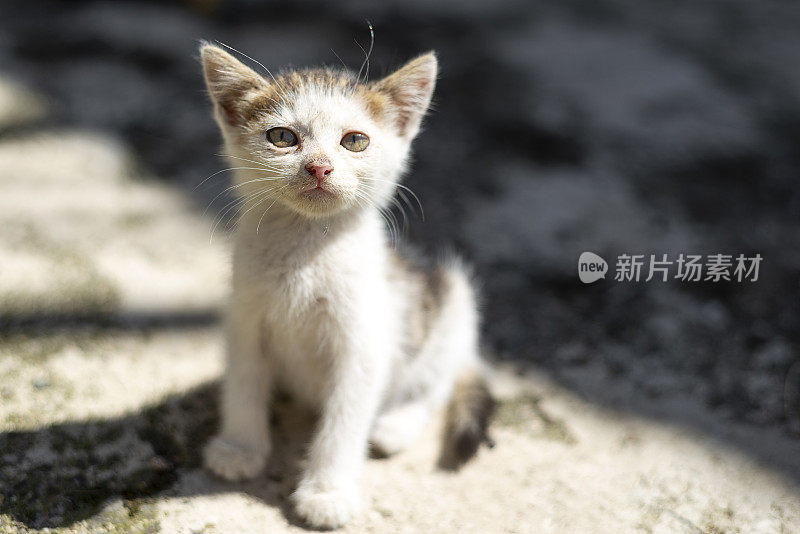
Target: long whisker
366	54
395	224
226	209
258	226
368	202
265	196
386	215
236	186
399	206
390	222
262	66
401	186
240	202
267	166
363	196
340	59
237	200
402	195
227	170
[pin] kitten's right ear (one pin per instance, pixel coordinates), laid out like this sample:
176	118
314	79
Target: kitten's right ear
228	81
410	89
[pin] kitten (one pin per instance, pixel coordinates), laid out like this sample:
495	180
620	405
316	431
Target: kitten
322	306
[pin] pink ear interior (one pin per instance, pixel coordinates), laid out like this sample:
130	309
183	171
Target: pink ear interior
417	88
228	81
410	89
229	112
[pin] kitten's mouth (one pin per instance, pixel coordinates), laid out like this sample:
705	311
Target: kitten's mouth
320	199
317	191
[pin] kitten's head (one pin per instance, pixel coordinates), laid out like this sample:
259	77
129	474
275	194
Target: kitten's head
318	142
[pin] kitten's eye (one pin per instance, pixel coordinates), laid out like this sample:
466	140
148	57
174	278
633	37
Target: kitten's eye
281	137
355	141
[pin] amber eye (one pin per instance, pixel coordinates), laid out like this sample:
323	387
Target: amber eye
281	137
355	141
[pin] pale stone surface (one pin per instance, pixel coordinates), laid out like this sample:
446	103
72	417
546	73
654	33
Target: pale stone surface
83	233
18	105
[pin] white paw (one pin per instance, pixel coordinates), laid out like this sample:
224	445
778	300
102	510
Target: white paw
329	508
392	433
232	461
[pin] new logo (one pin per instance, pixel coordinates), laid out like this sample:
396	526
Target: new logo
591	267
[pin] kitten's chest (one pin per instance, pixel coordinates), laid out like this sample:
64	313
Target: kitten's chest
289	292
305	273
315	304
291	302
302	306
300	291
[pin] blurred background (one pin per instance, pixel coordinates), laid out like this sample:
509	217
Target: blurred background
612	126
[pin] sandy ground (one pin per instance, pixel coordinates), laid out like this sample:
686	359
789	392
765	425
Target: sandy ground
108	366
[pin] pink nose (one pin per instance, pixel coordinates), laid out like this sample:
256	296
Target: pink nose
320	172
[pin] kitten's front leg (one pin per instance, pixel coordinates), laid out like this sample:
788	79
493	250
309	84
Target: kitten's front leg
328	494
241	448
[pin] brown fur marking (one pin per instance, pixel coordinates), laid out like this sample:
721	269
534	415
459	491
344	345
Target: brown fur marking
428	287
467	421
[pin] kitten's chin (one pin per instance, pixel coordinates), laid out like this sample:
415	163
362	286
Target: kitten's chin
318	203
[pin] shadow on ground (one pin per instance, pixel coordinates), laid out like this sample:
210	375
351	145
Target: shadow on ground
63	473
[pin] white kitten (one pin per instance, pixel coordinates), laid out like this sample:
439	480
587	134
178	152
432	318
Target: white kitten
322	306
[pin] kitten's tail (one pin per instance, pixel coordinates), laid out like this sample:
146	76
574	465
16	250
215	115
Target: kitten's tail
467	420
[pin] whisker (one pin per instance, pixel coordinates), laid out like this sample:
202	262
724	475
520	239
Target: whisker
238	203
258	226
395	224
227	170
402	195
383	216
399	206
401	186
262	163
221	216
281	90
366	54
340	59
233	204
264	194
236	186
388	218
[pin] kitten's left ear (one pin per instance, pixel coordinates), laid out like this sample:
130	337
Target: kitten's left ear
229	83
410	89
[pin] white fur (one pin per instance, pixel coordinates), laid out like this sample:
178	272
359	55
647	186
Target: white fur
313	309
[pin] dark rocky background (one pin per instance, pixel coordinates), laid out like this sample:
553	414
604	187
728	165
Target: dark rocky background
616	126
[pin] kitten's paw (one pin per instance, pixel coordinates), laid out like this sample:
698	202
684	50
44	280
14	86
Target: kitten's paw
394	432
329	508
232	461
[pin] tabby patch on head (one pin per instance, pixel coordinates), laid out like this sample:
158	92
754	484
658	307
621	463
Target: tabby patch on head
319	141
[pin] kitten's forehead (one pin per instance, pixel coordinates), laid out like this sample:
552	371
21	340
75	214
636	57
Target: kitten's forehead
298	80
320	96
320	108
